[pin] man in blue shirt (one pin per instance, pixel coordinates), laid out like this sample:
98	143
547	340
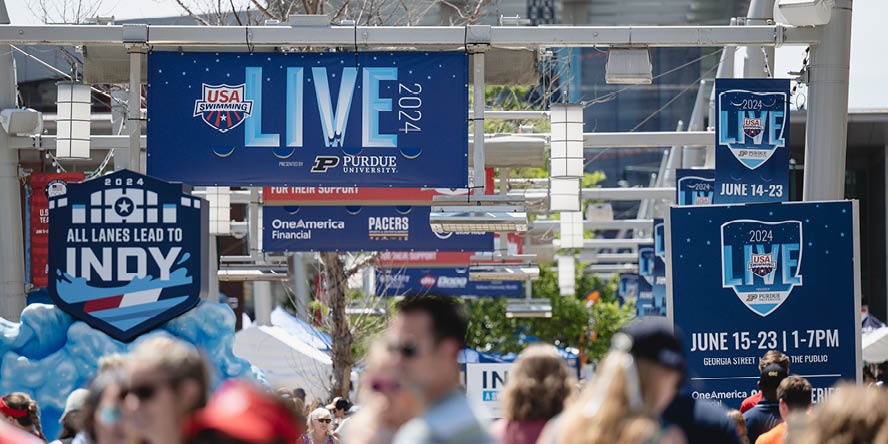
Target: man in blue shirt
766	414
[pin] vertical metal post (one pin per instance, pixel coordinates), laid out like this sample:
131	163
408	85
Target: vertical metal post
504	181
759	60
478	119
134	107
694	156
297	283
826	130
12	266
262	303
253	213
118	119
212	269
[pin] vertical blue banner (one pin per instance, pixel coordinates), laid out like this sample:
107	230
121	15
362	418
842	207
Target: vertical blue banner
628	287
370	119
746	279
658	285
752	140
645	302
694	187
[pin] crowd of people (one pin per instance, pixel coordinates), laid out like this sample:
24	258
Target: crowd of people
410	393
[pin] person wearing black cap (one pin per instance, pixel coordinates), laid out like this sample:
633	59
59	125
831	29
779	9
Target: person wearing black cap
766	414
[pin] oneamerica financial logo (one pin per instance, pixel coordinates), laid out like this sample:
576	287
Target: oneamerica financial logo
301	229
360	164
223	107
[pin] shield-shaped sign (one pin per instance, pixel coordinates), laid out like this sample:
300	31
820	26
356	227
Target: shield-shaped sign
126	252
223	107
761	261
752	124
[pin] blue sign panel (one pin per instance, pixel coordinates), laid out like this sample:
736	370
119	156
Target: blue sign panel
658	284
751	278
752	140
645	302
357	119
441	282
126	252
694	187
361	229
628	287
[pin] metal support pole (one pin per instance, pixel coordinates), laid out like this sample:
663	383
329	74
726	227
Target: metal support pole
118	119
504	181
133	109
759	60
478	119
212	269
826	130
298	285
253	235
695	156
262	303
12	254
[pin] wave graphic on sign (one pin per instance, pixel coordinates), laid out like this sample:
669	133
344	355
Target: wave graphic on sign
126	306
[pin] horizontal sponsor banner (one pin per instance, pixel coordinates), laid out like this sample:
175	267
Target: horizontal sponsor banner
442	282
337	196
308	228
367	119
424	259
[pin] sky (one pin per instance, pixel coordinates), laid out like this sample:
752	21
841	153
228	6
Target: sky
868	35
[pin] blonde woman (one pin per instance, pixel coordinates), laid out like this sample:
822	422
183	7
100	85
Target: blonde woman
320	428
635	382
536	391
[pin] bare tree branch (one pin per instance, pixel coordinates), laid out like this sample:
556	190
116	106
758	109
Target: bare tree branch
191	13
263	10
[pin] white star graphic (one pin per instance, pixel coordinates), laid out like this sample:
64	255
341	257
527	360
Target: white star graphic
223	118
124	207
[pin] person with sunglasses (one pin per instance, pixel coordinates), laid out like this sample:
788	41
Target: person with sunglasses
167	379
102	417
320	430
424	339
385	404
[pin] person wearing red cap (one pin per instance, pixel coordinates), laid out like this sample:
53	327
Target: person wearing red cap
240	413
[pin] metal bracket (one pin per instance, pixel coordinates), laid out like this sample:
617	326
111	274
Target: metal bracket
779	35
477	38
135	33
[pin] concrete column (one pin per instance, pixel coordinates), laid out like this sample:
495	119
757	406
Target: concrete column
12	251
298	285
826	130
262	302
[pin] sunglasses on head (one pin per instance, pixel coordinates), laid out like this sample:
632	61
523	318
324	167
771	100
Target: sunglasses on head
406	349
326	420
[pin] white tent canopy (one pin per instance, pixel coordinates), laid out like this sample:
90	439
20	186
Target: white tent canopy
286	360
875	346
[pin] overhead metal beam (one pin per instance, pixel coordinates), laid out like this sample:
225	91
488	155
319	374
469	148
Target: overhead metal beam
667	193
418	36
95	142
611	268
621	224
604	258
595	244
648	139
512	115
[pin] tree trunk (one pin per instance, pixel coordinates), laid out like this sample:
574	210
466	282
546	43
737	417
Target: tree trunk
334	272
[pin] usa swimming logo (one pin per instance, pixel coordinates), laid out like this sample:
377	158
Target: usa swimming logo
223	107
126	252
761	262
752	124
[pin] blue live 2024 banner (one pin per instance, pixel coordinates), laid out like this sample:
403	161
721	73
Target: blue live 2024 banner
126	252
314	119
628	287
694	187
645	303
440	282
368	228
751	278
658	286
752	140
